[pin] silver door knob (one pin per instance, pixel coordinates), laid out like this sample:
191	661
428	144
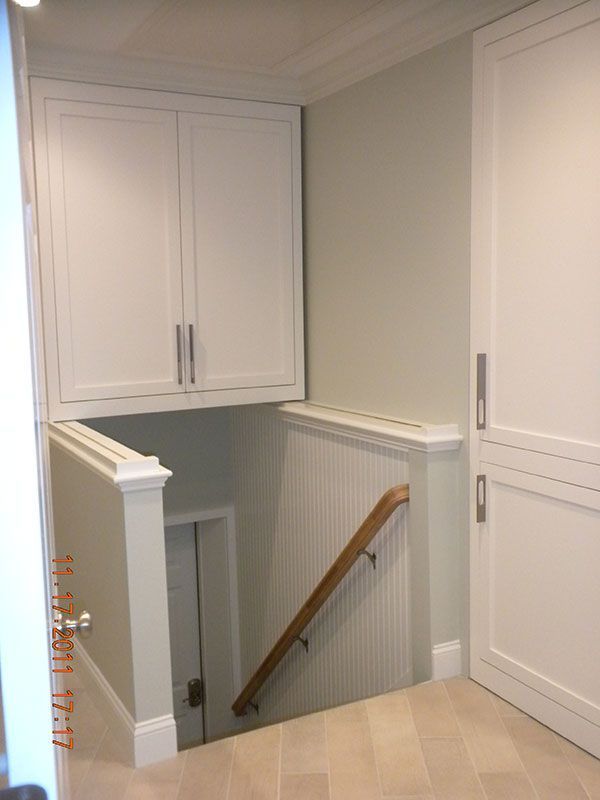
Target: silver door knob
81	626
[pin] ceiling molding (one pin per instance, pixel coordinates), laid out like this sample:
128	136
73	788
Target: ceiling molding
143	73
354	34
395	37
378	39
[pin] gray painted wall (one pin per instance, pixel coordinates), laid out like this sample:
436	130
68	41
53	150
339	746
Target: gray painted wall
387	232
194	445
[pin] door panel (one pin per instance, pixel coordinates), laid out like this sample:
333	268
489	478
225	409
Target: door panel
238	249
184	630
545	320
535	298
541	128
114	197
540	548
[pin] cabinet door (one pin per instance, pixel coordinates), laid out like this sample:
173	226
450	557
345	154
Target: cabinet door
238	250
114	210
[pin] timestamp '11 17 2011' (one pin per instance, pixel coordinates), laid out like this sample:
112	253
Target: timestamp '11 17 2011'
62	644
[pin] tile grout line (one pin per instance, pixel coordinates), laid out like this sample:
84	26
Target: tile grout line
462	738
327	751
522	763
180	782
412	717
377	770
303	774
372	746
124	795
280	760
230	776
75	793
568	760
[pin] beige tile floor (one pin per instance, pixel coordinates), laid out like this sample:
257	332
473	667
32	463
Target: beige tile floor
450	740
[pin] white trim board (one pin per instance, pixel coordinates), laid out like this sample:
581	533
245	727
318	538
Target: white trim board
114	462
143	742
446	660
395	433
228	514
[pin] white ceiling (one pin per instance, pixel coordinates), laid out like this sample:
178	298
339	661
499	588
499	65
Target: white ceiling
290	50
239	34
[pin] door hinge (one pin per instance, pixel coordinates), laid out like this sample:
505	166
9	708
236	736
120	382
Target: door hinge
481	498
481	391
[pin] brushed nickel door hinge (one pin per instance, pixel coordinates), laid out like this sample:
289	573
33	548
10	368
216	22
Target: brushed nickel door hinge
481	391
481	498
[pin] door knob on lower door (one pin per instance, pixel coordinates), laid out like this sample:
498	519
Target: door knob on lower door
195	693
81	626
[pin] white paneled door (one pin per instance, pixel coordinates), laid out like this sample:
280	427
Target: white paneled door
535	531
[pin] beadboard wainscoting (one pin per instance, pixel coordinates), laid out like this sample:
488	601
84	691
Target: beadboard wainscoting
305	477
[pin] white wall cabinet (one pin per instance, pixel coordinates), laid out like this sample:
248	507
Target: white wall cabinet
170	238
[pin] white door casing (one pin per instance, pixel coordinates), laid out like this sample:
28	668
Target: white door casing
24	541
205	583
184	630
218	622
535	636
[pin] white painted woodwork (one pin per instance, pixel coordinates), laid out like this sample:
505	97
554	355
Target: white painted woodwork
544	335
25	539
108	513
541	546
387	431
184	630
127	256
237	221
535	300
140	743
114	206
203	615
446	660
218	623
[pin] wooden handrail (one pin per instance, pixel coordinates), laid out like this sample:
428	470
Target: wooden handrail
380	513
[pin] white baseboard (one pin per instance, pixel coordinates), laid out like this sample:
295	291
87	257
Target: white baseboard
446	660
154	740
141	743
